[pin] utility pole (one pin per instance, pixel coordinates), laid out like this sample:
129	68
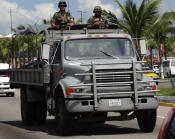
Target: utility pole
11	21
81	14
11	54
68	6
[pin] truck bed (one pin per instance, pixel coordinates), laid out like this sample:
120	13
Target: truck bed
36	77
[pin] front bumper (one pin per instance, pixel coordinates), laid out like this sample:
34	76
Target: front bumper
5	91
104	105
113	90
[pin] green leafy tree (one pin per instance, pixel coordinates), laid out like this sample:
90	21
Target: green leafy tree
137	20
79	21
4	49
162	31
111	17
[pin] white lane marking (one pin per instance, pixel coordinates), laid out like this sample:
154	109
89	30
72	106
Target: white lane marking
162	117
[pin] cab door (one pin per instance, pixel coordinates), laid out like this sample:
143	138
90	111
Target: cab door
56	64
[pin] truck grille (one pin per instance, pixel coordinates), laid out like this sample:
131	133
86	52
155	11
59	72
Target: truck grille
111	76
114	80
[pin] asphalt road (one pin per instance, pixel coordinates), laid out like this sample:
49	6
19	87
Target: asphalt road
11	126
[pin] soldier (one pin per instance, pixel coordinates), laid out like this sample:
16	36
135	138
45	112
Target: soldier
97	21
62	19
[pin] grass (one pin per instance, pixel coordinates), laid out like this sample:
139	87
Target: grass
166	92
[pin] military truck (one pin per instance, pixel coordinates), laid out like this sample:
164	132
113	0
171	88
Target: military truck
81	76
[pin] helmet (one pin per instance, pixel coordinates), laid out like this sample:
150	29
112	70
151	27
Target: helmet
97	9
62	3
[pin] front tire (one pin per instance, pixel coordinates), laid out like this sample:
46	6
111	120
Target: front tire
146	120
63	118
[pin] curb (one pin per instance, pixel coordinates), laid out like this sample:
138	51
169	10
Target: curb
167	104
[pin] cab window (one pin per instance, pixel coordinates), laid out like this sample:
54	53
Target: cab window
56	53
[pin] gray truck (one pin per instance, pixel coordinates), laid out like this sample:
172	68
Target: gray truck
82	75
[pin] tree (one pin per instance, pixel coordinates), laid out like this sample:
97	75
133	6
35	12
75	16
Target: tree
162	31
4	49
152	45
21	46
79	21
111	17
163	27
137	20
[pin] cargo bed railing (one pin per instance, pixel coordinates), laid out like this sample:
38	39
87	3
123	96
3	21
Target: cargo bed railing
54	35
35	77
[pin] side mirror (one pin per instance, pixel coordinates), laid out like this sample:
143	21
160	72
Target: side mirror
45	51
143	47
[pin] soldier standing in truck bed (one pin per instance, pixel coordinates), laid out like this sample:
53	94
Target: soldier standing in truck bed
97	21
62	19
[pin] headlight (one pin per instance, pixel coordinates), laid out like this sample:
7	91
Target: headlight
70	90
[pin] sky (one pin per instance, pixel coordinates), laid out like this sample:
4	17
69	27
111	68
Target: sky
33	11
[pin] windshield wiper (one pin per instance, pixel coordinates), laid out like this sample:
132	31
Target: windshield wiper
110	55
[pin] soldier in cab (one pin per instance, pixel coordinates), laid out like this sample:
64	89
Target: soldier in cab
97	21
62	19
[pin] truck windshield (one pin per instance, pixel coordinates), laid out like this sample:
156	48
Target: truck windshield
98	48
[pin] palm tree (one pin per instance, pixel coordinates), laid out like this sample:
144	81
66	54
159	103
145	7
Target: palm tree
152	45
163	29
137	20
111	17
163	33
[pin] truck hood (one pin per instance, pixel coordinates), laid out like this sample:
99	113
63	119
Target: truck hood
84	66
108	63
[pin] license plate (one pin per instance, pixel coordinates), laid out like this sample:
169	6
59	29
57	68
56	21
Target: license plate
115	102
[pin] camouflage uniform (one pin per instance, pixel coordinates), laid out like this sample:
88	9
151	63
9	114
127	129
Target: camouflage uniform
97	22
62	19
101	23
